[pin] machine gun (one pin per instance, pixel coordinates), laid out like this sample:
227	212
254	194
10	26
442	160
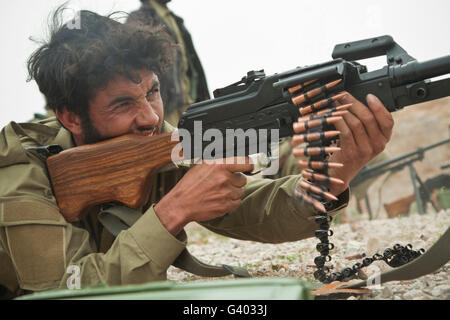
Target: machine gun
396	164
256	102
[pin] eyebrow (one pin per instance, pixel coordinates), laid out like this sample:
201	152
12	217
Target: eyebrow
128	98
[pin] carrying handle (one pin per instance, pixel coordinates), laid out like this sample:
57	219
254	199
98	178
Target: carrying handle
363	49
370	48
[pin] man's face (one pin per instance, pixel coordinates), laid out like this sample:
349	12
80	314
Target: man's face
125	107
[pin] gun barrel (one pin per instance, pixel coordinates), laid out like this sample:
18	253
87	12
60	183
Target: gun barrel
416	71
380	168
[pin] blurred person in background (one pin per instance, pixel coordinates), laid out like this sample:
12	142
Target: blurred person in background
185	82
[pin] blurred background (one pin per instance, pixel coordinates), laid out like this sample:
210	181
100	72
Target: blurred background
234	36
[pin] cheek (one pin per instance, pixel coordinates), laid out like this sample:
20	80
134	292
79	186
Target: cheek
117	125
160	111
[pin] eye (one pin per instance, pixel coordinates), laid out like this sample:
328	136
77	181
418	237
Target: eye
152	93
123	105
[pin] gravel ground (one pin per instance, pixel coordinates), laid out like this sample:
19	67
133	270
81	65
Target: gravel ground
295	259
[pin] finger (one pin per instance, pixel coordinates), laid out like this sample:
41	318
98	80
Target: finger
383	117
236	194
238	179
368	119
359	132
346	138
237	164
338	99
233	205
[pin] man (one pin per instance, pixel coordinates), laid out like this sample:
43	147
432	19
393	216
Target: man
184	83
102	81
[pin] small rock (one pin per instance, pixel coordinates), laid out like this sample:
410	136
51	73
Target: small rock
386	293
440	290
372	246
397	298
353	245
412	294
362	275
418	285
424	283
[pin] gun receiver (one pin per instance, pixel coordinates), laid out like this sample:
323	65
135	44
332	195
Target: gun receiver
255	102
260	101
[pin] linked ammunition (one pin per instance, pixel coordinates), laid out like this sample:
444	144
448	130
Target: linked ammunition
307	186
344	107
323	115
301	86
305	197
314	151
300	127
320	165
321	104
297	100
313	176
309	137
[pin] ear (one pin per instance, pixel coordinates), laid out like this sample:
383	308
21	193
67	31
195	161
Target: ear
70	121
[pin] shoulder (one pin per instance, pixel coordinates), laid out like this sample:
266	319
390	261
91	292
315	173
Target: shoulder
23	172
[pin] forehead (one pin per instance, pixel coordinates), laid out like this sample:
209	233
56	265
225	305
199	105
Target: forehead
121	85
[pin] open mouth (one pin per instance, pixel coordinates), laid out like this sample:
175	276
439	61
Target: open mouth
149	132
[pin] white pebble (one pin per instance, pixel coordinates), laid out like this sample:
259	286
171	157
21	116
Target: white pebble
412	294
386	293
441	290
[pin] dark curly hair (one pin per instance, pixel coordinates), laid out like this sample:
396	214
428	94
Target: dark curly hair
83	57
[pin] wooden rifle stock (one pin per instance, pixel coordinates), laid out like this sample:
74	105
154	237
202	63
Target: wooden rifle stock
118	169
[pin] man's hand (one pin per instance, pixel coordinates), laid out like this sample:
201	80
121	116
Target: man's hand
365	131
207	191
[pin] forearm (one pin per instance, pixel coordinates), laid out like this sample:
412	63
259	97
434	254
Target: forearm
171	215
269	213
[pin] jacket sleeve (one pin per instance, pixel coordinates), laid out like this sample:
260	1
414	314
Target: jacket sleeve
269	213
47	252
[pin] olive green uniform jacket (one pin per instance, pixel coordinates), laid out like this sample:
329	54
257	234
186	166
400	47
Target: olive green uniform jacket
38	248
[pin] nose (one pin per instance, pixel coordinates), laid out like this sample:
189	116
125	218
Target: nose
146	116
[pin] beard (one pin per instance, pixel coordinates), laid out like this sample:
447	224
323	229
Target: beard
90	133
